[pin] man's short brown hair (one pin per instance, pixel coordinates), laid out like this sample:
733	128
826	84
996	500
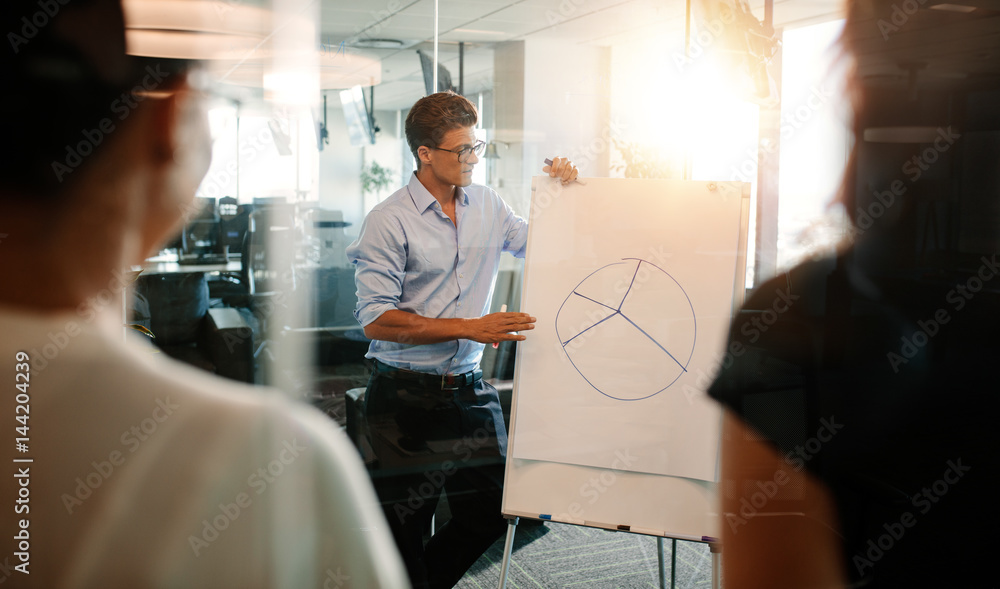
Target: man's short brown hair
433	116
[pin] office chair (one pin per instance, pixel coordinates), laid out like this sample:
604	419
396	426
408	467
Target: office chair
264	280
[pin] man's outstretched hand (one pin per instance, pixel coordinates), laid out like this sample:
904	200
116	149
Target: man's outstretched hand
412	329
499	327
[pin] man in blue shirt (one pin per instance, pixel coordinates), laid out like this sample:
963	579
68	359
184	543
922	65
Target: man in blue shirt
426	263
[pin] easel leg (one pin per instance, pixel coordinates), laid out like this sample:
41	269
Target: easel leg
673	562
660	561
508	547
716	549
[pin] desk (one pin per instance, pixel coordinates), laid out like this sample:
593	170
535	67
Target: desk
176	268
168	264
177	278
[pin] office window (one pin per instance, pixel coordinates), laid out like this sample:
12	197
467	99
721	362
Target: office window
815	142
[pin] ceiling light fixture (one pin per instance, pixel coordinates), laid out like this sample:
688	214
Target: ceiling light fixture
954	8
377	44
901	134
236	40
478	32
192	30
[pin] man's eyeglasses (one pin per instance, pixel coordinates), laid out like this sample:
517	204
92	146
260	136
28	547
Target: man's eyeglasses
465	153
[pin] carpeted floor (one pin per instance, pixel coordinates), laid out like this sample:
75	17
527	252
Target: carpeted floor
553	556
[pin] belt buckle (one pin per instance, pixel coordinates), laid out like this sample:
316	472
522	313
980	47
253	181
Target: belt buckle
448	382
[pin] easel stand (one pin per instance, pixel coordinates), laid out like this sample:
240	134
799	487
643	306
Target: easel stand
508	548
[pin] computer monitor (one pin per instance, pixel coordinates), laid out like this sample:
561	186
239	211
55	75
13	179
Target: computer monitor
444	76
200	237
234	220
360	128
267	201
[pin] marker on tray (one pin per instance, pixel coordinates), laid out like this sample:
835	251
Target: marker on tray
548	162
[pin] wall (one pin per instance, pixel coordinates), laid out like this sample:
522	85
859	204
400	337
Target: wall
340	164
508	110
387	152
340	167
551	99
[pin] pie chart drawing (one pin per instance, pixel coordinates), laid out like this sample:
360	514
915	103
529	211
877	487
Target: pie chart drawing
629	329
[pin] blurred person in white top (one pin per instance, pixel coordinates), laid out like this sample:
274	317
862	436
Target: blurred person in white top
123	468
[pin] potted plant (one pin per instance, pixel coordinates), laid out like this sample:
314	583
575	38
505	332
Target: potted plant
375	178
638	161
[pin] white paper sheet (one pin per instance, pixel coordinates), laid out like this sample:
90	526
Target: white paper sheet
632	284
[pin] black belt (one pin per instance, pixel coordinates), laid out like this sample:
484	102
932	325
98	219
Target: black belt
444	382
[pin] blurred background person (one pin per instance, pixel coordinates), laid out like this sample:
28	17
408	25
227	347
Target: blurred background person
136	471
859	433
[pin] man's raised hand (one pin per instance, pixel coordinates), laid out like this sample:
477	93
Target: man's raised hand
562	168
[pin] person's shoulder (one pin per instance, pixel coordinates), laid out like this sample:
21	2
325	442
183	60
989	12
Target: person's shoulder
325	457
295	430
242	410
482	191
211	392
484	196
396	207
94	361
400	198
222	400
803	287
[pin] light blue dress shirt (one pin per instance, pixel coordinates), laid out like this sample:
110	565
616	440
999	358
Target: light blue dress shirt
409	256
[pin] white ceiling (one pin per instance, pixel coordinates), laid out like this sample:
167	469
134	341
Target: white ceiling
935	46
945	45
481	24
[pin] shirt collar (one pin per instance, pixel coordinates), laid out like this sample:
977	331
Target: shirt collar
423	199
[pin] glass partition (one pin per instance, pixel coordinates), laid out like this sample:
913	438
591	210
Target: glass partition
308	118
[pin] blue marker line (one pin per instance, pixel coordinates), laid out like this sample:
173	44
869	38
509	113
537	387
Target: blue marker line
630	286
684	368
593	301
566	343
544	516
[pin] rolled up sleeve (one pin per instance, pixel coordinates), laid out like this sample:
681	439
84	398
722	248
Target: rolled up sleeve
515	230
379	258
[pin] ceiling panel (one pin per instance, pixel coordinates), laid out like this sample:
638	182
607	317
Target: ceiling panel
463	10
935	46
483	23
611	26
972	46
475	35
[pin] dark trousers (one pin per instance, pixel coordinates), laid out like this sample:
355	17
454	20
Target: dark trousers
426	441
